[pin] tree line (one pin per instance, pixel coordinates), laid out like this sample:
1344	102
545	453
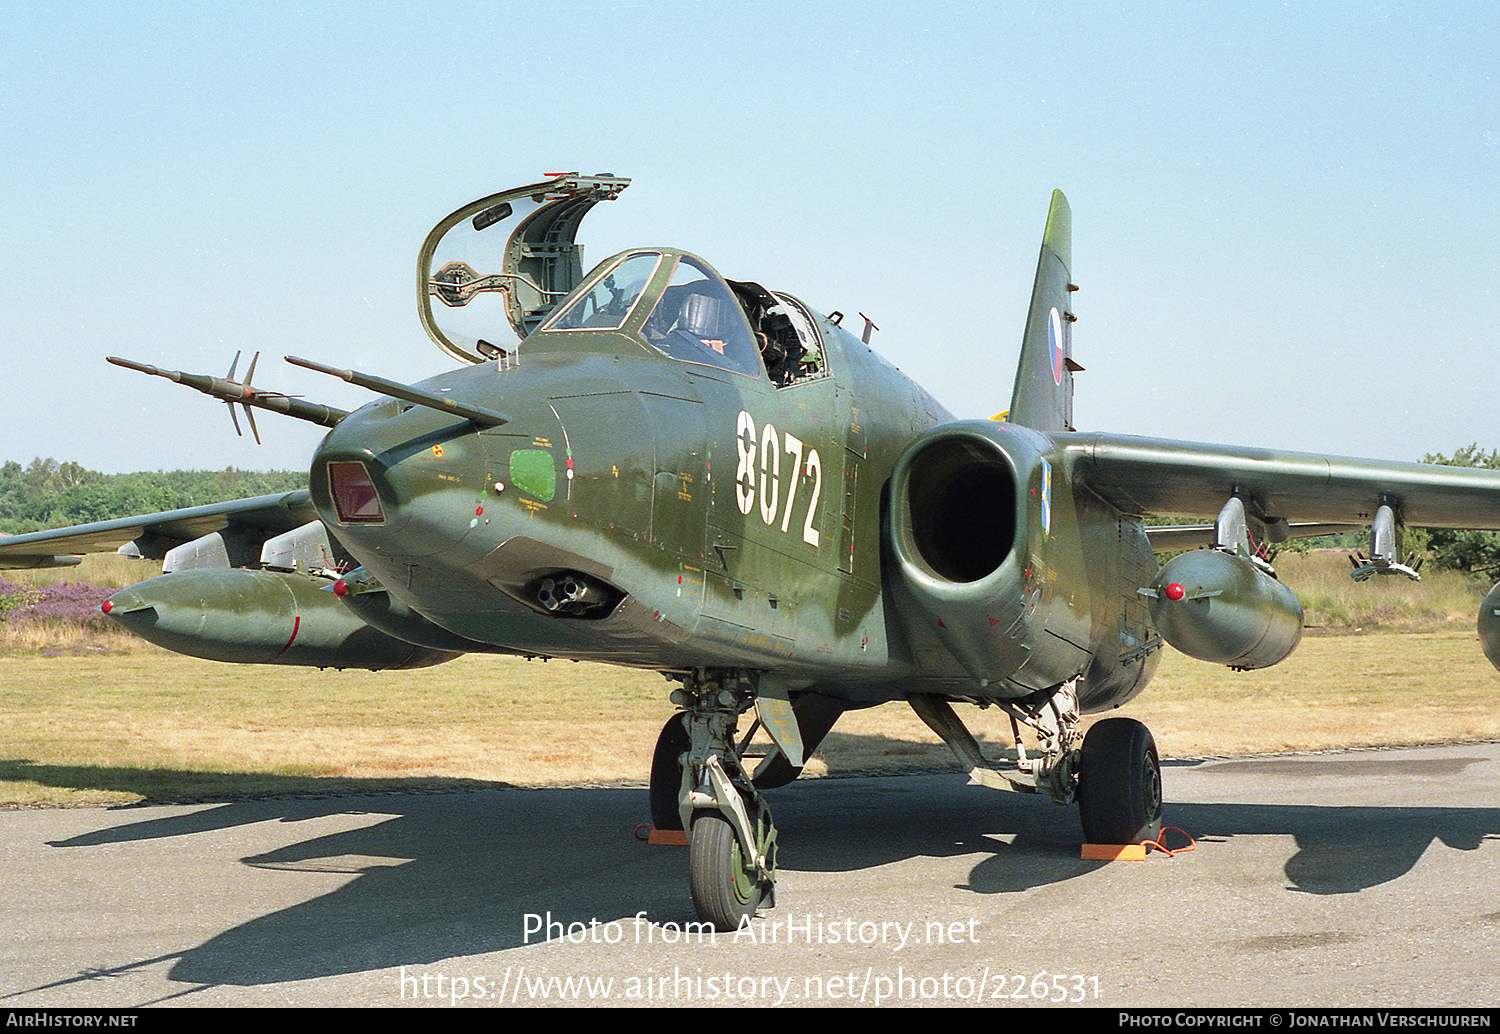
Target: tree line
48	494
1477	551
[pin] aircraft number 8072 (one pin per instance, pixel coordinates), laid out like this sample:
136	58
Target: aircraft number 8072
769	446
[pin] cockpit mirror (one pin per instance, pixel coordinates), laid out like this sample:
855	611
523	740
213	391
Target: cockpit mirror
490	216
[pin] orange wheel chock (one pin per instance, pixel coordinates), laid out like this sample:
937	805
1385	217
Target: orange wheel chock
1114	853
1136	852
661	837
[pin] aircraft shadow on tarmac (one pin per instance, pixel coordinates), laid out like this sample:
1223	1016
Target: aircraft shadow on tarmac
176	786
452	874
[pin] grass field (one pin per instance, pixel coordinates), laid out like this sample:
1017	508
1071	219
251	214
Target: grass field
94	718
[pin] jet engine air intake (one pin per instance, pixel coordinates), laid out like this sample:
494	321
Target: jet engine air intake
960	507
966	501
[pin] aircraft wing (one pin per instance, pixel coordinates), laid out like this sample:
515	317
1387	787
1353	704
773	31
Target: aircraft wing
271	514
1158	477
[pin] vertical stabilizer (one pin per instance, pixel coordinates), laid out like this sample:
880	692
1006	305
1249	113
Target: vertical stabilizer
1043	398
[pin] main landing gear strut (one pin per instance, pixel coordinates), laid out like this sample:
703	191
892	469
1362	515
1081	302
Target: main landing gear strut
1112	772
699	783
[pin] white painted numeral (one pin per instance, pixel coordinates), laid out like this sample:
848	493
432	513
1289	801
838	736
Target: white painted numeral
814	471
794	450
770	474
744	478
767	485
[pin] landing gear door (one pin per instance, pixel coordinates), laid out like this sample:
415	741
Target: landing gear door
491	272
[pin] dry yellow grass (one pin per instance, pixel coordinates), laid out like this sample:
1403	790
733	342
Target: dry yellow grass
155	726
21	634
1333	601
114	719
1334	691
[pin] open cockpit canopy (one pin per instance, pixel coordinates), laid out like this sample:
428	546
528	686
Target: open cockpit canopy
677	305
508	264
500	265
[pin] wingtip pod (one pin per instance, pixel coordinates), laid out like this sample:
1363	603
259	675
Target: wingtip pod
33	562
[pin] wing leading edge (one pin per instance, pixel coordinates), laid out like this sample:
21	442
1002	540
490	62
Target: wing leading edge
1159	477
272	514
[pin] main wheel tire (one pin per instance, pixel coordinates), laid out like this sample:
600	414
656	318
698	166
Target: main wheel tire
1119	783
666	773
725	888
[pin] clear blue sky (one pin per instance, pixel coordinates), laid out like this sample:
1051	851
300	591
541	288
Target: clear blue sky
1286	228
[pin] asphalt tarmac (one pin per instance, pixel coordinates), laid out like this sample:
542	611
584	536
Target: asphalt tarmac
1353	879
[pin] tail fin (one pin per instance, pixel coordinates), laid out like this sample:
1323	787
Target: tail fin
1043	397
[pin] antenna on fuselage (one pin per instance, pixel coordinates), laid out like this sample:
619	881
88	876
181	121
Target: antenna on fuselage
407	393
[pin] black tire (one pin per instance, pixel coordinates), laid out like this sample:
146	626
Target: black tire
1119	783
666	773
725	889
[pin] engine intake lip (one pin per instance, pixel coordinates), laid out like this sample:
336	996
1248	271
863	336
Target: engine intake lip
958	508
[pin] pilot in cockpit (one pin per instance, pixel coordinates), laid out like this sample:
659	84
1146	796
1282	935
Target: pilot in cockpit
703	317
699	321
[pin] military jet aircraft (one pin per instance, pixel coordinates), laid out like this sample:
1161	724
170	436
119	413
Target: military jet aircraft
707	478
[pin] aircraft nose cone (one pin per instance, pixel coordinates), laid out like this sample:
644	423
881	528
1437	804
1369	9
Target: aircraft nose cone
358	485
399	483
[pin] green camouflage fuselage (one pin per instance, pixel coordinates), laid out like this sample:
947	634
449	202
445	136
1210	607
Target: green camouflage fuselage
741	524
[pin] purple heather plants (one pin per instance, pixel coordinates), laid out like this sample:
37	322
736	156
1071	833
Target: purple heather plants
74	604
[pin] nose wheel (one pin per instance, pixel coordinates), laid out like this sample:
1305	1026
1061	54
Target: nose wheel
727	886
732	853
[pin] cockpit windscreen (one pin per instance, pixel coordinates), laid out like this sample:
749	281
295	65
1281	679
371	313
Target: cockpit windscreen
607	304
698	320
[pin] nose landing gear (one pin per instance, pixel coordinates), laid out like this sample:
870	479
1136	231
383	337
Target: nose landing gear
732	855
